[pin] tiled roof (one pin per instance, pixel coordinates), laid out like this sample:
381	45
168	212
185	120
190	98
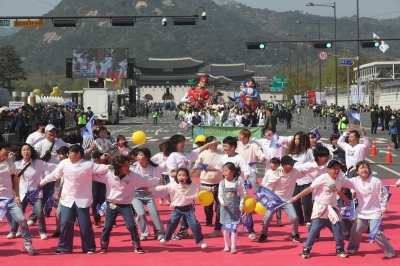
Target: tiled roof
161	63
230	70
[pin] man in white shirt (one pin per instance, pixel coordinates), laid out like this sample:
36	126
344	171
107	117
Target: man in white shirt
38	135
355	151
76	199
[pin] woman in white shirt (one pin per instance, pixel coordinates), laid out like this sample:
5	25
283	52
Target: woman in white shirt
29	169
301	151
238	118
372	202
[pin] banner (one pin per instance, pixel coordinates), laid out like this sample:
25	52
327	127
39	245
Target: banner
358	94
319	97
222	132
15	105
362	94
297	99
349	212
268	198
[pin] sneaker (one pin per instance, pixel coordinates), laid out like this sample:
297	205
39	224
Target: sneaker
175	237
139	250
215	233
233	250
159	237
103	251
58	252
43	236
262	238
203	244
279	222
296	238
163	241
18	234
31	223
308	224
252	236
351	251
305	254
30	249
226	249
56	234
341	253
143	238
91	251
11	236
389	255
182	233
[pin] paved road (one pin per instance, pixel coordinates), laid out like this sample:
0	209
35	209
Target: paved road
168	127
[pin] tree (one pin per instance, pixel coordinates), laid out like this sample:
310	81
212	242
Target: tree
10	67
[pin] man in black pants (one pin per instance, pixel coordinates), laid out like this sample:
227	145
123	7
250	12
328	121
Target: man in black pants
374	120
98	189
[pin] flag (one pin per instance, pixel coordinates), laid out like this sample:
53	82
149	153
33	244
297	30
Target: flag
87	131
247	184
389	196
316	132
268	198
50	202
102	208
274	142
232	227
4	206
387	187
252	163
383	46
32	196
200	166
348	212
374	231
247	220
354	115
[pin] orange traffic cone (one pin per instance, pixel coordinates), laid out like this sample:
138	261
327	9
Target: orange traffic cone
389	155
373	150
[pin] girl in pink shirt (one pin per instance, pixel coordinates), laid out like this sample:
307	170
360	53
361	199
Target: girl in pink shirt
123	148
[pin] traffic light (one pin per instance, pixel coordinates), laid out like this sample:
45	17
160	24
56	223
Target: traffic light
256	45
321	45
373	44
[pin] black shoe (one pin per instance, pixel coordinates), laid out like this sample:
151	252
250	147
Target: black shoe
46	214
175	237
262	238
209	224
58	252
103	251
139	250
296	238
305	254
56	234
341	253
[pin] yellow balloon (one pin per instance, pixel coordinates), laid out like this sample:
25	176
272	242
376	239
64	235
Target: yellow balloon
260	209
139	137
205	197
249	204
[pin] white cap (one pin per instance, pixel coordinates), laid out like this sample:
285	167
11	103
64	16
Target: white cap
49	127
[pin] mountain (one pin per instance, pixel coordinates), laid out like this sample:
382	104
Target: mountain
8	31
219	39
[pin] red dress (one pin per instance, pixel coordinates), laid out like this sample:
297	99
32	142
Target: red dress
203	94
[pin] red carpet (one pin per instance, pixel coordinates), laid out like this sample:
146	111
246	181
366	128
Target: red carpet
279	250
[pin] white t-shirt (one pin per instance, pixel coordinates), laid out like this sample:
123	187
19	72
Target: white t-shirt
44	145
271	152
353	154
238	161
178	160
303	158
326	189
35	137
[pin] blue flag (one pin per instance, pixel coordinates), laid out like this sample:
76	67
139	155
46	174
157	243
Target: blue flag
387	187
87	131
200	166
4	206
316	132
389	196
102	208
354	115
268	198
349	212
32	196
232	227
274	142
374	231
50	202
247	184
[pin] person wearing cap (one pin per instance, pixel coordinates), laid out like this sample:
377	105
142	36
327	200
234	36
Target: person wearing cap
46	149
354	150
202	94
75	200
190	95
325	213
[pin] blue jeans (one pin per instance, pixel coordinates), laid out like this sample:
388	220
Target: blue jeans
316	227
126	212
290	212
16	213
184	211
356	235
141	220
37	208
68	217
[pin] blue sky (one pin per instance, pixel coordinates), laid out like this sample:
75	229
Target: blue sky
380	9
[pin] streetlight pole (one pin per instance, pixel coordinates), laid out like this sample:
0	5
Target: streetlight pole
334	14
297	51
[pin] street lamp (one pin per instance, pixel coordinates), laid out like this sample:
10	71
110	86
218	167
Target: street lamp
334	14
297	52
319	61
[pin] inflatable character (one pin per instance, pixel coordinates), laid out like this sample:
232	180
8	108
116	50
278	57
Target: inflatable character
202	94
190	95
248	96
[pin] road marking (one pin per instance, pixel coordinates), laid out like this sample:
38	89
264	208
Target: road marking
122	129
380	151
157	131
384	167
